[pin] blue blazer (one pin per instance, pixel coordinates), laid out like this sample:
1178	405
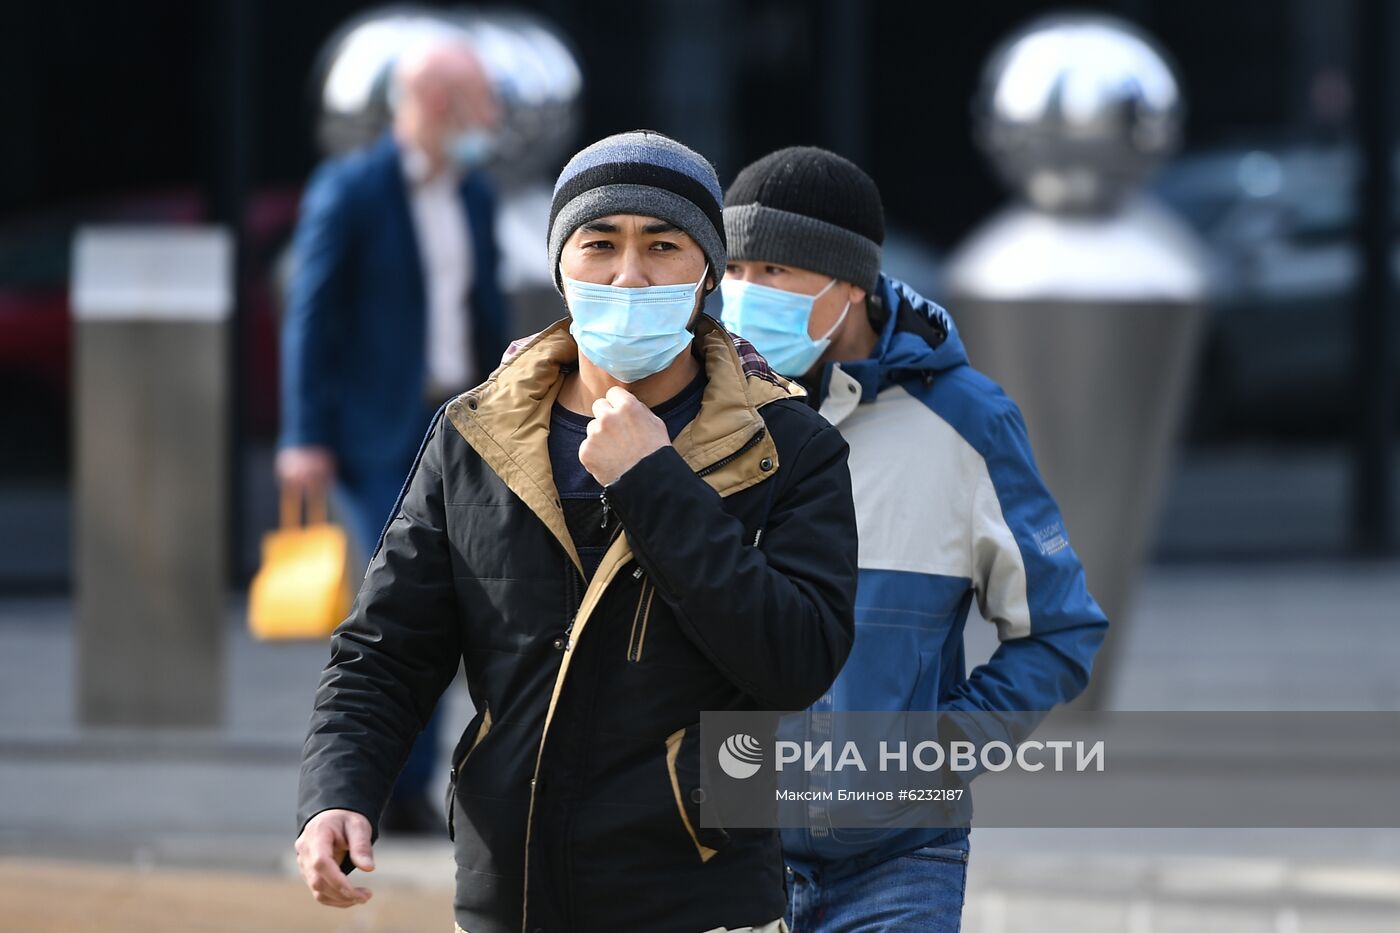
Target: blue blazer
354	364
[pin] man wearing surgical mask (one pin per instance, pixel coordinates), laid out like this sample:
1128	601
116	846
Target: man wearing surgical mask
631	521
394	307
949	505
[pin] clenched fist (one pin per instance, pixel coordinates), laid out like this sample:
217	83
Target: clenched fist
321	846
622	432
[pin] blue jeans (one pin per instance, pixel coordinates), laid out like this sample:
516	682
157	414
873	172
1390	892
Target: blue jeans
921	892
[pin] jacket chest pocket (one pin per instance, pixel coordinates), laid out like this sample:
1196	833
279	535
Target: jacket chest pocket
646	612
641	616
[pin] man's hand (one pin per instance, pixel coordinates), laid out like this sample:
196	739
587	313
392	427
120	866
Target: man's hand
320	848
622	431
309	470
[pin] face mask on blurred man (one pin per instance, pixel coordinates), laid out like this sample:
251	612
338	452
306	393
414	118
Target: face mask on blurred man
472	148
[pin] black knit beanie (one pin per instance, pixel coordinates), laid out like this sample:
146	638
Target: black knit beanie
809	208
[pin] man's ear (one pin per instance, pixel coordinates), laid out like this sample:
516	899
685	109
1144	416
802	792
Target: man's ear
855	294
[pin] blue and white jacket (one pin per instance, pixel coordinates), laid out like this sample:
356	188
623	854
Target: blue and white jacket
949	507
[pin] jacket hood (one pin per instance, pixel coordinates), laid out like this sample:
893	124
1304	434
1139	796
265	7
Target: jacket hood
918	340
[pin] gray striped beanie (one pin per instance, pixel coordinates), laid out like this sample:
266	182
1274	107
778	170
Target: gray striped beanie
641	172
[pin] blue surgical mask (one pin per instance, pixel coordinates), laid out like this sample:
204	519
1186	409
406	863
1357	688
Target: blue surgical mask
775	321
631	333
472	148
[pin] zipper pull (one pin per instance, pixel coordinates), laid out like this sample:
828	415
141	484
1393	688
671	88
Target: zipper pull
604	499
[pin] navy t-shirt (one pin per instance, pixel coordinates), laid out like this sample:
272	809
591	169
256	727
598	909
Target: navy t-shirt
580	493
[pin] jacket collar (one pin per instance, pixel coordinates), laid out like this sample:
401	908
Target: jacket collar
506	418
918	340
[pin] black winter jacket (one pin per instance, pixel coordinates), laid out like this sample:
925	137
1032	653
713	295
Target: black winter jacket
573	791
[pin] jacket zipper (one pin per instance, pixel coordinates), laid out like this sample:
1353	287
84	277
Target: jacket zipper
748	445
573	607
640	616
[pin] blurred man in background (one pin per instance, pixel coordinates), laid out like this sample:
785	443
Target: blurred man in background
633	471
394	307
949	505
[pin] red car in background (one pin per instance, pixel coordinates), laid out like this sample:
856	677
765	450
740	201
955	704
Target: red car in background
36	333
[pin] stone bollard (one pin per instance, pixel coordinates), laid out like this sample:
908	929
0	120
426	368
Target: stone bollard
151	309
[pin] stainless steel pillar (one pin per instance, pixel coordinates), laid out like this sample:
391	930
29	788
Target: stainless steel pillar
151	309
1083	300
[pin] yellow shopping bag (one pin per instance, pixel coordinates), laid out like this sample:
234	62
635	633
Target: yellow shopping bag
302	589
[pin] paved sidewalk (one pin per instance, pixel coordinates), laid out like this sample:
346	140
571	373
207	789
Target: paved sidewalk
61	897
144	828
